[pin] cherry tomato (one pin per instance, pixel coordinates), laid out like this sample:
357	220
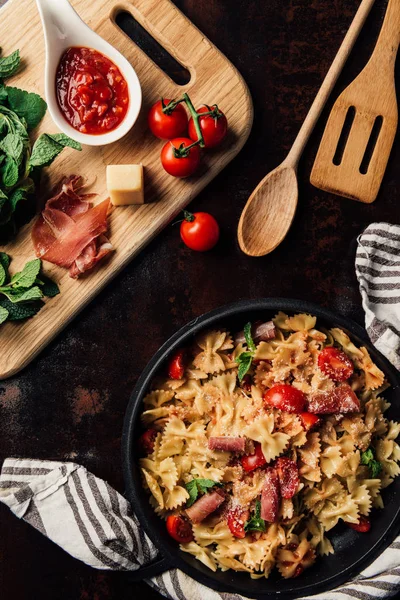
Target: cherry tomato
285	397
199	231
180	529
167	126
253	461
236	520
146	441
213	128
335	364
176	366
179	161
308	420
363	526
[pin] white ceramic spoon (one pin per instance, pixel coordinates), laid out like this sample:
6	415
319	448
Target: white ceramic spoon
63	28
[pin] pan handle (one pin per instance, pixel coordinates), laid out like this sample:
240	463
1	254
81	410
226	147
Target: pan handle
160	565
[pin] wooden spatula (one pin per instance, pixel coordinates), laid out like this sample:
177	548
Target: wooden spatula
269	211
361	128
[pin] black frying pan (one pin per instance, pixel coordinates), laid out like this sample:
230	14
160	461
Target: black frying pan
353	551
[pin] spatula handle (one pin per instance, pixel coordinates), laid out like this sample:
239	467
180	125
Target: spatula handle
389	38
329	82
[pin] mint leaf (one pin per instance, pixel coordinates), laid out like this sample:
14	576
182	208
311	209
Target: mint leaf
367	456
368	459
26	278
3	275
9	172
21	193
193	492
205	484
22	295
249	340
4	314
13	146
49	287
256	523
375	468
9	64
19	312
244	361
4	260
26	105
47	147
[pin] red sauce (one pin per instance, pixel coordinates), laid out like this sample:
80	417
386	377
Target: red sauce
91	91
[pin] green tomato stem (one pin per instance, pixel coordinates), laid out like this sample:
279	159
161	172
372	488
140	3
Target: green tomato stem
196	120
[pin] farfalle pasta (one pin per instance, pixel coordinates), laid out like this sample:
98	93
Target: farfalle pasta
264	441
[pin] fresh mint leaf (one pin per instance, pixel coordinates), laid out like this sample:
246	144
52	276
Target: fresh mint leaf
367	456
3	93
368	459
193	492
4	314
375	468
26	105
256	523
21	193
249	340
244	361
3	275
9	64
9	172
47	147
12	145
49	287
4	260
27	277
22	295
198	485
19	312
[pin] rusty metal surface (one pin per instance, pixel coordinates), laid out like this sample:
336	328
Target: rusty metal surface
70	402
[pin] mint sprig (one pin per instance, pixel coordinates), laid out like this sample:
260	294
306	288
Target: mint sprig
256	523
374	466
197	486
245	359
9	64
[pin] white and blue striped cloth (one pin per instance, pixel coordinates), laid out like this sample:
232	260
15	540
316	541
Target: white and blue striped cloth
96	525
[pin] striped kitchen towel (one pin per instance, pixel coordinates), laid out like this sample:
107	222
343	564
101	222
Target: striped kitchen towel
378	273
90	520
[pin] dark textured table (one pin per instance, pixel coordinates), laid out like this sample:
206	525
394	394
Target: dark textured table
70	402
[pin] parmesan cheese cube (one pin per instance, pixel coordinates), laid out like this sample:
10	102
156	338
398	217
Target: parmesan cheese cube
125	184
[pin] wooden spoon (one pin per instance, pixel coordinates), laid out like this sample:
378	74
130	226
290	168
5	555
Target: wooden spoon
269	211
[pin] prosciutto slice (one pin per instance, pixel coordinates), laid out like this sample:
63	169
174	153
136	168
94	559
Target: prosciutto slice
69	232
270	496
340	400
227	444
261	332
205	506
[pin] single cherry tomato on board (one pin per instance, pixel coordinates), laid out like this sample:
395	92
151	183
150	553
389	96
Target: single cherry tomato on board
180	529
363	526
335	364
308	420
146	441
176	366
199	231
167	124
179	159
253	461
236	520
285	397
213	126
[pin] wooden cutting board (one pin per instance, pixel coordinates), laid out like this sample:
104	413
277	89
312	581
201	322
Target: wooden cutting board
213	80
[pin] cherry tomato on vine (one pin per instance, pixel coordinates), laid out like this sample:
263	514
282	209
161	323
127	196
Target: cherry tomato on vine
179	160
285	397
213	127
335	364
179	529
199	231
167	125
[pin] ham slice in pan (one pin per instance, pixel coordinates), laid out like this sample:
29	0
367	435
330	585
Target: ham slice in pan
227	444
270	496
205	506
340	400
69	233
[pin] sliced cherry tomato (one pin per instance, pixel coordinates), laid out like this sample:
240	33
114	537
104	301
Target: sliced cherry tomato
363	526
146	441
176	366
236	520
167	126
285	397
199	231
178	160
335	364
308	420
253	461
213	127
180	529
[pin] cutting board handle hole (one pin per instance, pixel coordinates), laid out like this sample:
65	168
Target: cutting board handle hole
154	50
369	150
344	136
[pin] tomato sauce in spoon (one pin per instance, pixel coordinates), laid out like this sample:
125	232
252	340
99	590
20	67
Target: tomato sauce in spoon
91	92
